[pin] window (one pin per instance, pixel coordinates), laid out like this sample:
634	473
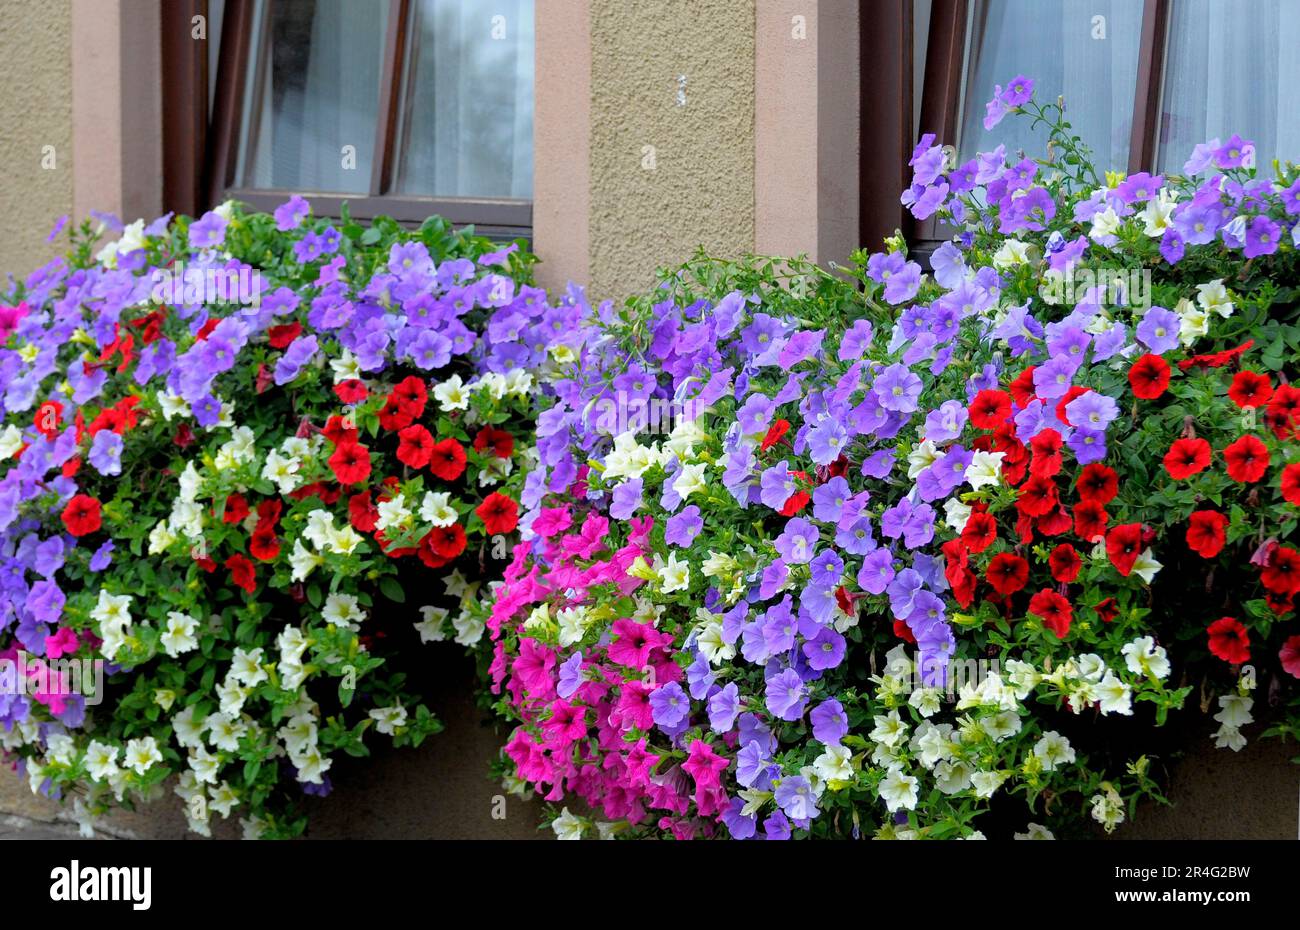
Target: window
1233	66
1144	80
397	107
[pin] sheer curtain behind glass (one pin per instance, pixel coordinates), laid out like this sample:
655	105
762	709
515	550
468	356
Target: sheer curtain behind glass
1233	66
313	88
1068	51
467	118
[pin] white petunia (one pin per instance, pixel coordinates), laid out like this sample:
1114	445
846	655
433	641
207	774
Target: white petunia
1053	750
388	720
142	754
985	469
179	635
431	625
898	791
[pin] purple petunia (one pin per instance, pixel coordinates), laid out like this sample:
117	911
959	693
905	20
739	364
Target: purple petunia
669	705
1158	330
798	541
682	528
785	695
897	388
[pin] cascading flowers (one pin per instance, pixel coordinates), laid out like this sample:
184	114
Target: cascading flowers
865	495
227	444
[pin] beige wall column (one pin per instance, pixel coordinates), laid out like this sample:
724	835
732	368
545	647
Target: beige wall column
117	106
672	136
35	131
562	143
806	128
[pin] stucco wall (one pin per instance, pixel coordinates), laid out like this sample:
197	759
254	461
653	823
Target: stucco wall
699	189
35	111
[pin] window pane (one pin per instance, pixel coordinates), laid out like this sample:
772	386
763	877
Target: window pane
313	91
1233	67
1086	50
466	127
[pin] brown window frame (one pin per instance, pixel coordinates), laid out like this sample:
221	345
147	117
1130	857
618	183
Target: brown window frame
888	99
201	174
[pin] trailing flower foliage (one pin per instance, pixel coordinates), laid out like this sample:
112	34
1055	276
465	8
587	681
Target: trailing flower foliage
228	444
921	554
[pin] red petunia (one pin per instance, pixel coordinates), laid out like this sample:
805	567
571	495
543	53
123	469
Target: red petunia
281	336
795	503
414	446
1149	377
1250	389
264	378
1283	411
448	541
956	570
1281	574
206	329
775	432
427	555
990	409
82	515
241	573
1108	610
1065	563
1022	389
1054	610
411	395
1046	460
1123	546
393	416
263	544
980	532
236	509
1280	604
904	632
1229	640
1186	457
1291	483
1007	573
47	418
268	513
184	436
1205	533
339	430
1037	496
351	391
1054	523
447	459
1089	520
350	463
499	441
1216	359
1247	459
362	512
499	513
1098	483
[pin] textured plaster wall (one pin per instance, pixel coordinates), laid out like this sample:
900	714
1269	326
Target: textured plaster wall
699	189
35	111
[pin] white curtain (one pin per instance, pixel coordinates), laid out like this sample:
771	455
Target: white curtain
320	73
467	126
1086	50
1233	66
